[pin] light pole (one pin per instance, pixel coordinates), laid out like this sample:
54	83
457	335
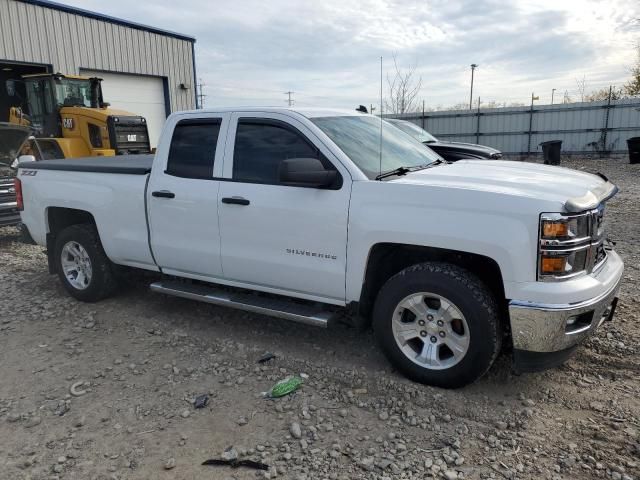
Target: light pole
553	90
473	67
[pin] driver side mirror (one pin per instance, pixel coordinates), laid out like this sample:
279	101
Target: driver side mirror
307	172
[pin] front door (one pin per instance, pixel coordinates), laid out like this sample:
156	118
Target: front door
273	235
183	198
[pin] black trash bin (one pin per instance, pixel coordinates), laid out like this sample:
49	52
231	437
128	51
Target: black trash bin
551	152
634	149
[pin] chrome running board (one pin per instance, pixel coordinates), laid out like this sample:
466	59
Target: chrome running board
308	313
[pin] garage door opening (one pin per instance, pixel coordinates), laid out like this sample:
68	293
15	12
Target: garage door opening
137	94
12	89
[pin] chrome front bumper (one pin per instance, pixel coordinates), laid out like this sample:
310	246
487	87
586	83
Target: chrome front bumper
547	328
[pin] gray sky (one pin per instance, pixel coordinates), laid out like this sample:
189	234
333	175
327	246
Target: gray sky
250	52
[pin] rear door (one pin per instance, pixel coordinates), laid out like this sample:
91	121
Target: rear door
280	236
182	197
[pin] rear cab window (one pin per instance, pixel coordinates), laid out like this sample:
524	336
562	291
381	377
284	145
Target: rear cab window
193	148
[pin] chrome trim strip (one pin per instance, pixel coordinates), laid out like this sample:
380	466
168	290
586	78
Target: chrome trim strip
561	243
560	251
579	330
559	307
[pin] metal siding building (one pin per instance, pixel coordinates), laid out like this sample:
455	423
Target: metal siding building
143	68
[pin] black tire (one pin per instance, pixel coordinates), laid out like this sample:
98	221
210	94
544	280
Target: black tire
103	282
469	295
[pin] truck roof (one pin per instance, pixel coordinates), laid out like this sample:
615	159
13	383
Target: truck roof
309	112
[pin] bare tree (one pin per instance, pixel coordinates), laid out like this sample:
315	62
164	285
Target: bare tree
633	86
603	94
404	87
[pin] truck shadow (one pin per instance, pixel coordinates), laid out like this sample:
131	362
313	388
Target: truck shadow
339	347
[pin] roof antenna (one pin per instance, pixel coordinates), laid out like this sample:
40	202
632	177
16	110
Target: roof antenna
380	168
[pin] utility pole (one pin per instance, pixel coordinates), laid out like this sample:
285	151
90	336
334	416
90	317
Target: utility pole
201	96
553	90
290	100
533	97
478	123
473	67
371	108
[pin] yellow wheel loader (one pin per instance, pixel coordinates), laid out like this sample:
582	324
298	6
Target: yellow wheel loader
69	118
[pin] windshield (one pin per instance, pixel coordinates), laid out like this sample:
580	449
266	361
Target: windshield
73	92
359	138
414	130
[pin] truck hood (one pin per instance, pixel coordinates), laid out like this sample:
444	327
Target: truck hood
576	191
11	139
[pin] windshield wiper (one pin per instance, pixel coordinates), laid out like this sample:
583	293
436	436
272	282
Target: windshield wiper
402	171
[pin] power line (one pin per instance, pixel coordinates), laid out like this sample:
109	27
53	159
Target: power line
201	96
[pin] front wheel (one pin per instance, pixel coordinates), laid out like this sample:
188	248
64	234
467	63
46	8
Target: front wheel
83	267
438	324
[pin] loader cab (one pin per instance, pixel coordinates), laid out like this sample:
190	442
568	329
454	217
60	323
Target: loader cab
47	94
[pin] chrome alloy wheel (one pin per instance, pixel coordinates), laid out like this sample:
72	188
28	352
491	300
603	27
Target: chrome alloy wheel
430	330
76	265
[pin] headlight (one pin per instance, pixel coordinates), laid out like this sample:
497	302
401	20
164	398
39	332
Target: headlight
568	244
557	229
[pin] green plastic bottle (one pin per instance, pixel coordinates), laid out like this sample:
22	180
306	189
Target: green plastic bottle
285	387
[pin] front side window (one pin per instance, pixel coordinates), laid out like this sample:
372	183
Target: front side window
40	98
260	147
360	138
193	148
73	92
95	136
46	149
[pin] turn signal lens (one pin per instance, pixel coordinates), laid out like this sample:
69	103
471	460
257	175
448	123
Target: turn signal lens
553	265
555	229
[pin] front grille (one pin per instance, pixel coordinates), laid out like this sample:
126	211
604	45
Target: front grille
598	238
7	190
129	135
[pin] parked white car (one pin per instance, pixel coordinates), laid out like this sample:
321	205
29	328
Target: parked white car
299	214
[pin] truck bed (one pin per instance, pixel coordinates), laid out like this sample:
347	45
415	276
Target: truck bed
122	164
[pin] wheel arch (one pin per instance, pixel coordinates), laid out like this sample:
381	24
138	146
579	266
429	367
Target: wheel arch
59	218
387	259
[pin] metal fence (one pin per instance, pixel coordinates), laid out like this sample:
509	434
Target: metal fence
594	127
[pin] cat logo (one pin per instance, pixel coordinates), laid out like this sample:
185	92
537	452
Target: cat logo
67	123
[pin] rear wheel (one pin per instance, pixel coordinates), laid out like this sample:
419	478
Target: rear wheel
83	267
438	324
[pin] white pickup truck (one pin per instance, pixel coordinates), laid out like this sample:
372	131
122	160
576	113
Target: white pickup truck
313	215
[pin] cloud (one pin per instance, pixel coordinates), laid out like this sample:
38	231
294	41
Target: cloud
251	51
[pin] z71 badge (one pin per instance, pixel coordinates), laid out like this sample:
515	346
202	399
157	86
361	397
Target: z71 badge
28	173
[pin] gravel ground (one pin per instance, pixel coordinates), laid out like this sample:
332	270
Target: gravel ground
105	391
